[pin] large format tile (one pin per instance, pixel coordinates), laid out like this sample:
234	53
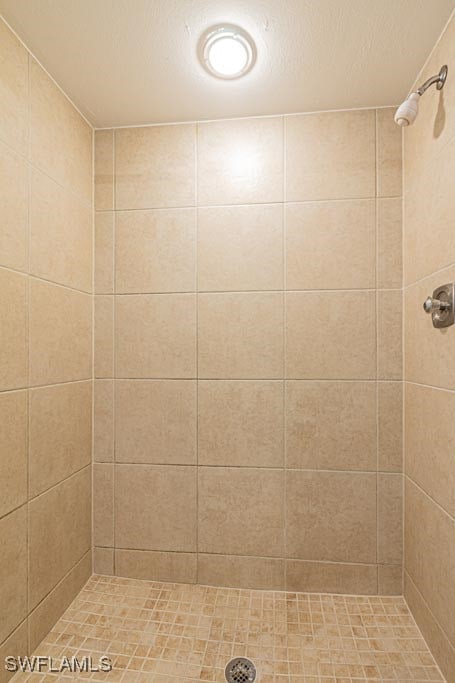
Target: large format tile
59	519
331	577
155	251
13	90
388	144
390	518
155	507
389	247
156	566
331	516
348	227
103	421
156	421
13	450
390	426
429	543
331	425
60	334
61	235
14	203
60	439
390	334
104	170
241	511
104	336
429	357
330	155
240	423
103	561
154	166
342	341
103	504
60	139
156	336
430	442
240	248
15	645
13	571
13	330
390	579
104	252
240	161
258	573
240	336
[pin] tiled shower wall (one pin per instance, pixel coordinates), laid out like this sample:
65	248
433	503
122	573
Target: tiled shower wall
45	350
248	352
429	250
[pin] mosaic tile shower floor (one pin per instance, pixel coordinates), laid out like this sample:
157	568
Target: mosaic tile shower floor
164	633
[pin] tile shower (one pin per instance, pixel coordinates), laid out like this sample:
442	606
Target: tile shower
202	388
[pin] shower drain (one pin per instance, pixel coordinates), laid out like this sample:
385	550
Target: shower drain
240	670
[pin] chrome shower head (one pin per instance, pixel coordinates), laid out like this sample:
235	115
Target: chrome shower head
406	113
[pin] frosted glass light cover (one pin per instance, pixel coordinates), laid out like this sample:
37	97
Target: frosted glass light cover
227	51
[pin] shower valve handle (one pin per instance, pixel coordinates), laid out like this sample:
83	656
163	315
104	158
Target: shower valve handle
430	305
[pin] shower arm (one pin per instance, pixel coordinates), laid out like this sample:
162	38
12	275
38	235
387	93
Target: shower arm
439	79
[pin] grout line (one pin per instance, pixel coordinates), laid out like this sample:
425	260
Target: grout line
196	263
114	350
31	276
429	496
284	426
217	292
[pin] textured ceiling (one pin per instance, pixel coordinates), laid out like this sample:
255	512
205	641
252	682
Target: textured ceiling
129	62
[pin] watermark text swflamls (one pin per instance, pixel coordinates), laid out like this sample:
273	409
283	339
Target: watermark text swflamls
43	664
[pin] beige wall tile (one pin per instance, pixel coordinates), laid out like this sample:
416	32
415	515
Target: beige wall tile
104	336
388	143
103	427
390	579
349	227
43	618
60	139
331	516
258	573
155	507
156	336
104	170
390	426
104	252
390	237
60	439
240	161
13	571
240	336
240	248
103	504
435	637
14	646
429	202
324	577
103	561
13	331
14	203
430	554
430	442
155	251
390	346
429	357
13	90
156	566
241	509
240	423
342	343
156	421
155	166
13	450
60	334
60	518
61	235
390	518
331	425
330	155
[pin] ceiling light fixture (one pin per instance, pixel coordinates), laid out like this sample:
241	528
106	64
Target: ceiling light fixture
227	51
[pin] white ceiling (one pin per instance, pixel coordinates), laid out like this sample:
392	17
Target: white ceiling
127	62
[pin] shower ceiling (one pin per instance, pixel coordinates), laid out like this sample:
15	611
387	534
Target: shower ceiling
126	62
